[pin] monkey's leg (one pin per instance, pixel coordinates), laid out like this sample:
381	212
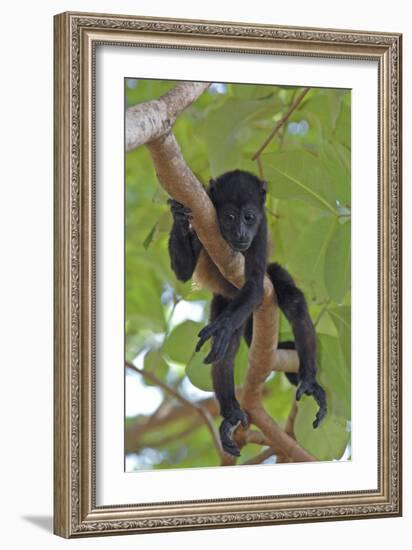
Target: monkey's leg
293	304
224	385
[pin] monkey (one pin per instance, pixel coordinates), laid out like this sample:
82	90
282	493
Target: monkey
239	198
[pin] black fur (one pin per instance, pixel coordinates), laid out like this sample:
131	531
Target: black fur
239	198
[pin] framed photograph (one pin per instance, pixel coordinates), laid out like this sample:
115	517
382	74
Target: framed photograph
227	274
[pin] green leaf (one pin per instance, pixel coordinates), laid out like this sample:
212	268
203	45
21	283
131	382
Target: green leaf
182	341
341	317
253	91
334	375
241	363
307	257
343	126
338	262
144	310
163	224
300	175
198	373
325	105
329	440
227	130
150	237
280	396
336	160
154	363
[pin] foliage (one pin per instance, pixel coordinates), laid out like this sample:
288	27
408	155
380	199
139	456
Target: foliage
307	166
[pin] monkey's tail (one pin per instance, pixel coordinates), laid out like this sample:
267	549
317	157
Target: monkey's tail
291	376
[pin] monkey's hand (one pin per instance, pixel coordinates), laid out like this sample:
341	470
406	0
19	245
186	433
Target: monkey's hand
221	332
181	215
309	386
227	429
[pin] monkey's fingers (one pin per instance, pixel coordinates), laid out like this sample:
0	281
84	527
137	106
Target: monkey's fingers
182	219
226	432
200	343
182	211
305	387
320	397
177	207
204	335
230	447
219	349
311	387
209	330
244	419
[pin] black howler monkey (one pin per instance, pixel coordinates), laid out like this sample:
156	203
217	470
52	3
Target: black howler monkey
239	199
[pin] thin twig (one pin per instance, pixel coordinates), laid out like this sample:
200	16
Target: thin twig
290	422
322	311
260	168
175	436
166	417
281	122
282	135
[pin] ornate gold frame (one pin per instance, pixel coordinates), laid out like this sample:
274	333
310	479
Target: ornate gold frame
75	39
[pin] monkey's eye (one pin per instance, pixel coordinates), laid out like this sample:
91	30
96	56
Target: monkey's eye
230	216
249	217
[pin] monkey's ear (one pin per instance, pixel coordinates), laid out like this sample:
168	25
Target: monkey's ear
211	187
264	188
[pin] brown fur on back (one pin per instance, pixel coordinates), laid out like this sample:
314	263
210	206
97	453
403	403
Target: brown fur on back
207	275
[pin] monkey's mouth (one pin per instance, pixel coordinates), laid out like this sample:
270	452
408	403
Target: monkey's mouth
240	246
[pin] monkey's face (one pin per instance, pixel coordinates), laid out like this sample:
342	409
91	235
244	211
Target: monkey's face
239	225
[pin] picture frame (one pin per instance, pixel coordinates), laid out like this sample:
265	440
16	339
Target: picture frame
76	509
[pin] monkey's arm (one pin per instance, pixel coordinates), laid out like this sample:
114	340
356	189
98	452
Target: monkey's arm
242	305
184	245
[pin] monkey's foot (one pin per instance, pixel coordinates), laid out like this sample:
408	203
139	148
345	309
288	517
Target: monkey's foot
227	429
309	386
221	331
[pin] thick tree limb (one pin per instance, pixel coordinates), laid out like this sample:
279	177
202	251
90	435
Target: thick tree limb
150	120
180	182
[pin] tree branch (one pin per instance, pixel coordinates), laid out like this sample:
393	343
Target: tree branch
150	120
185	402
173	414
281	122
261	457
194	425
289	429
